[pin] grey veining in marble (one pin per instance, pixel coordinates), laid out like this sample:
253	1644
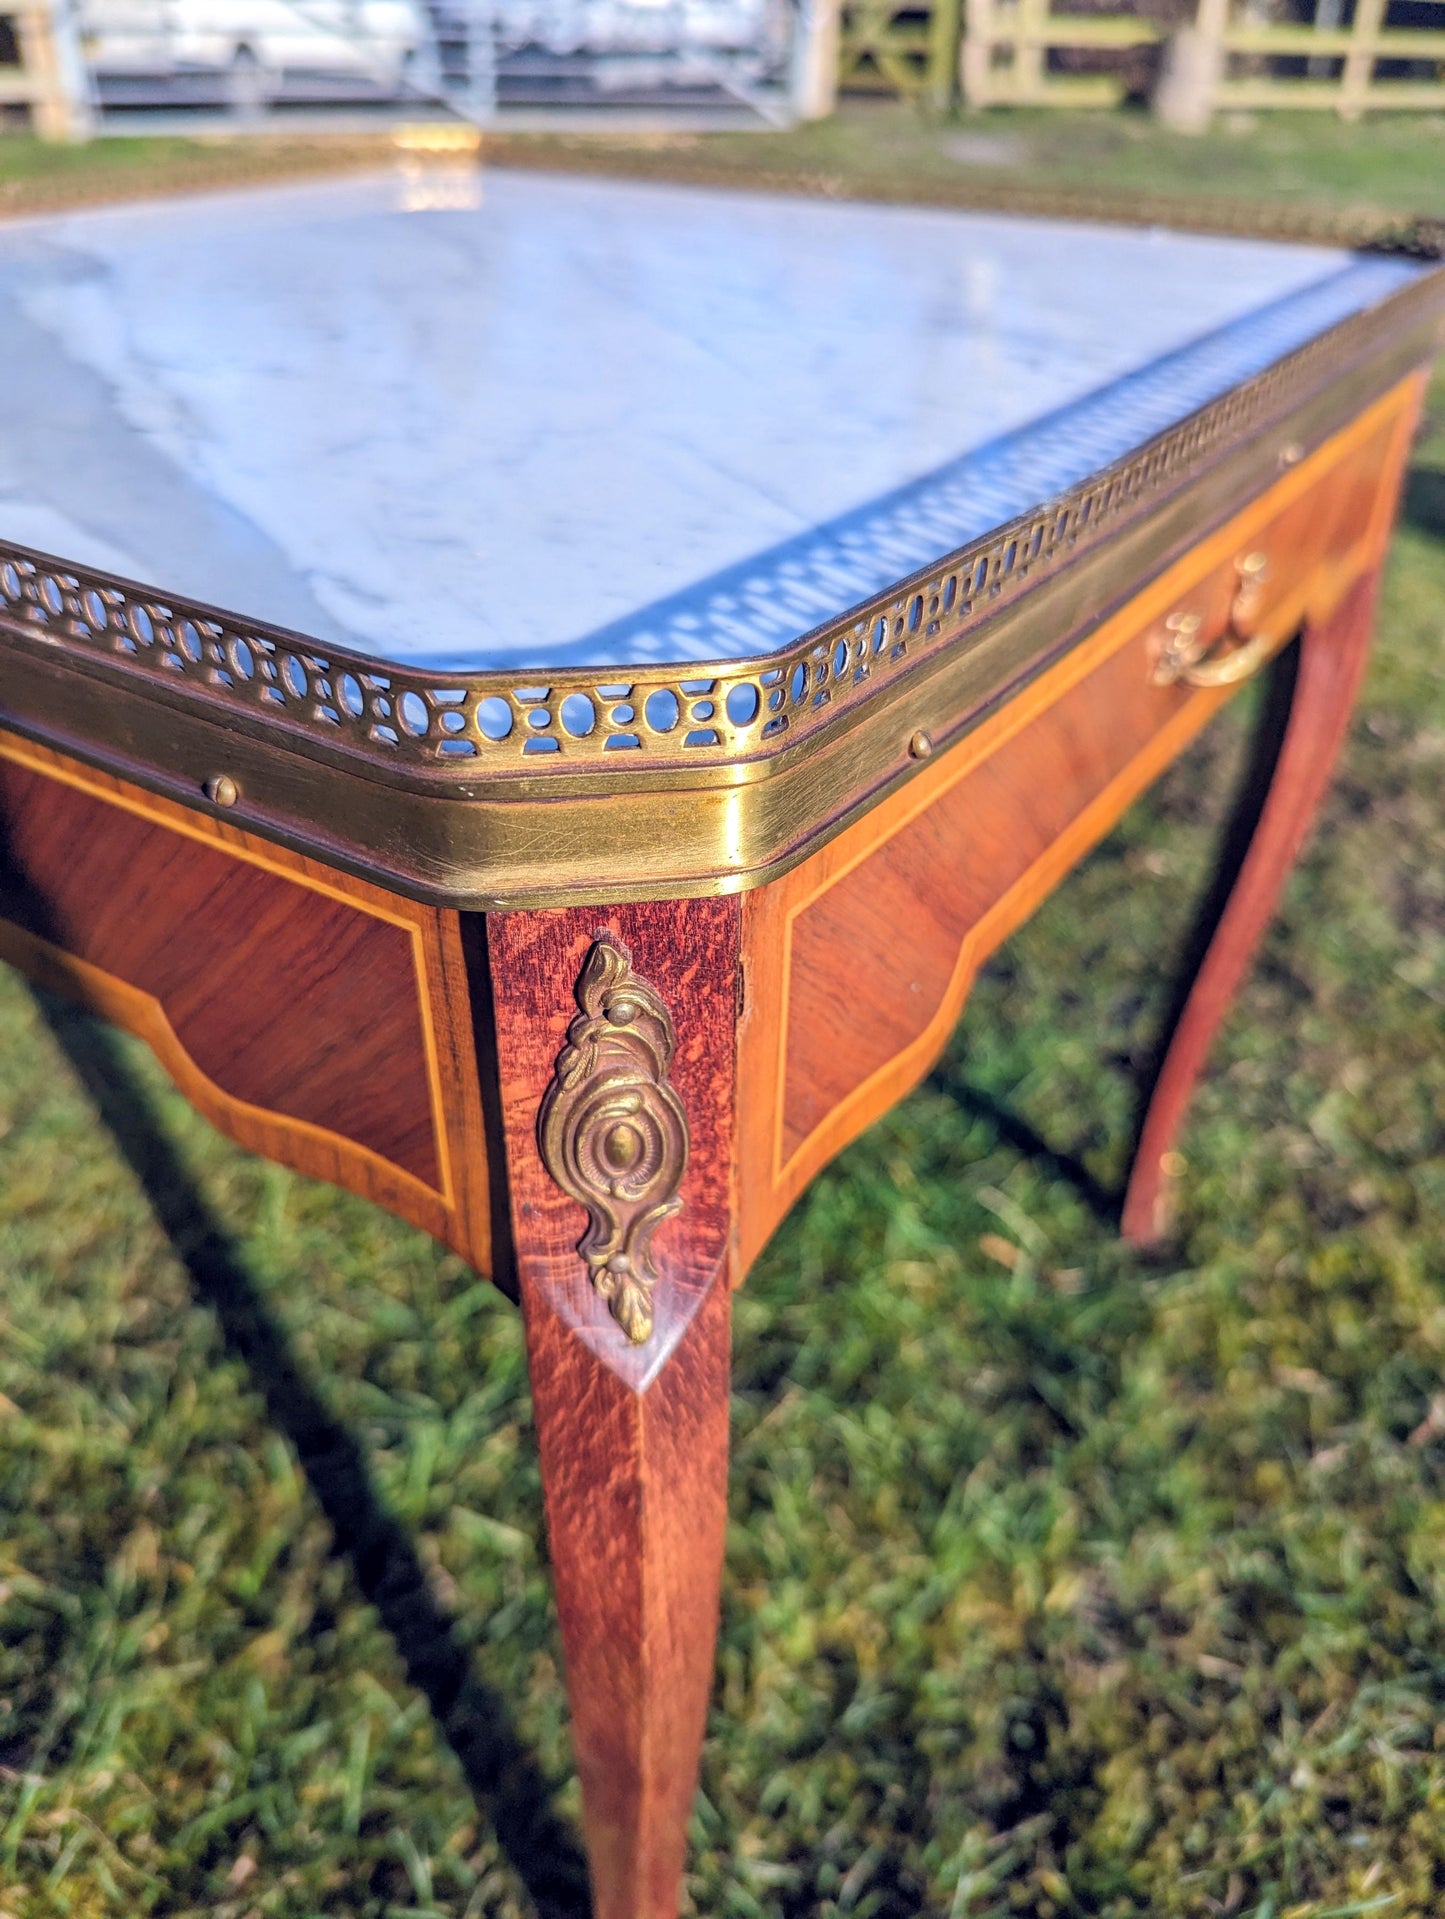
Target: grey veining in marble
590	420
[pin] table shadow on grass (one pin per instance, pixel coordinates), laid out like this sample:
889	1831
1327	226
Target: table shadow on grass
1271	717
1015	1131
503	1775
1423	505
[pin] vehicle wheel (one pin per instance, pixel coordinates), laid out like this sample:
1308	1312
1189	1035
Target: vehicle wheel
248	90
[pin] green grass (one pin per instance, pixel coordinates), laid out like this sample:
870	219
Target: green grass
37	176
23	158
1060	1581
1395	164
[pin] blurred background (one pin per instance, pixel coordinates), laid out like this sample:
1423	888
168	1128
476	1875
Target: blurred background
75	66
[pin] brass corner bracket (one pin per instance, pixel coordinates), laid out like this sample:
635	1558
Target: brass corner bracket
612	1130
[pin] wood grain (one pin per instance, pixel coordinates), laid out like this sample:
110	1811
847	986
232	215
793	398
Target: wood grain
858	963
315	1019
633	1438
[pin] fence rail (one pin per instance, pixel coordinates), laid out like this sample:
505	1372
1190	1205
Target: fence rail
38	70
1032	53
1022	53
1246	49
904	47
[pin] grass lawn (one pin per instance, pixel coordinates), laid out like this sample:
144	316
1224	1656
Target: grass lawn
1394	164
1060	1581
40	177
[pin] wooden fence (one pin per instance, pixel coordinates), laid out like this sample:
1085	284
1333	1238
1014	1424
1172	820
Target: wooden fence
1024	53
1194	57
1230	54
904	47
39	70
1350	69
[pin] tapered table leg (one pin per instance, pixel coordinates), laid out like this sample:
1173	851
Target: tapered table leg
1331	663
636	1488
615	1048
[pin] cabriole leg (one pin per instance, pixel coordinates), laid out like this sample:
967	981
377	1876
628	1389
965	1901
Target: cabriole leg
615	1048
1330	666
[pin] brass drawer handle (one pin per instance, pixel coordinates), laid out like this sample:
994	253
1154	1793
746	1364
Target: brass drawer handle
1186	659
1228	669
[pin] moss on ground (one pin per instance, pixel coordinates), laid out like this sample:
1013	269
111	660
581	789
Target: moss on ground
1060	1581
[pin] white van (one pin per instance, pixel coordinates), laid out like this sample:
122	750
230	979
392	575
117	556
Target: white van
255	44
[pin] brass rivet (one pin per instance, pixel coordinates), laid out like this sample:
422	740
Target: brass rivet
221	790
920	746
1291	453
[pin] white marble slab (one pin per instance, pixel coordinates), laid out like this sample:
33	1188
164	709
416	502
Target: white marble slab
589	420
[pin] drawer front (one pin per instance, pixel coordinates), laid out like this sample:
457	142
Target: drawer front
858	962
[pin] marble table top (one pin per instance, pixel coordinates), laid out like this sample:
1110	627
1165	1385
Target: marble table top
590	421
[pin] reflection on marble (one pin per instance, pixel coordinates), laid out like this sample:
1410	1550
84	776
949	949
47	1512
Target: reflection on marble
590	420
